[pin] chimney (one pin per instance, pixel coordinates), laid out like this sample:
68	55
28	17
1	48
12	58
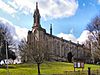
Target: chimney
50	29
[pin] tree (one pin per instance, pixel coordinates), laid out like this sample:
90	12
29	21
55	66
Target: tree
69	57
94	37
36	52
6	40
23	50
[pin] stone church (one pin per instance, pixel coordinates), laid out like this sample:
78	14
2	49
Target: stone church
58	46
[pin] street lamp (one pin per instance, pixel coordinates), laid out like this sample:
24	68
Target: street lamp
7	58
5	41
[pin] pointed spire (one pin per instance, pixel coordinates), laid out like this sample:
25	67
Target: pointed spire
36	5
36	17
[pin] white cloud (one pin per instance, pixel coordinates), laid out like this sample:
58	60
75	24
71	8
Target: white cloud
84	4
98	1
17	32
58	8
21	32
68	37
7	8
48	8
71	31
83	37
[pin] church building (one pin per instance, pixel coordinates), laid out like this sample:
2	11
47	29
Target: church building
58	46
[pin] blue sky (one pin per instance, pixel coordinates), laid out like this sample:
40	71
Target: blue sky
66	16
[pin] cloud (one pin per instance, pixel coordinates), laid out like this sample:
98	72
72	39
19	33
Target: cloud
17	32
68	37
7	8
21	32
58	8
71	31
52	8
83	37
98	1
84	4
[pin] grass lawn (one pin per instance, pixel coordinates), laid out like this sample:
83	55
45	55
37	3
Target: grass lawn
48	68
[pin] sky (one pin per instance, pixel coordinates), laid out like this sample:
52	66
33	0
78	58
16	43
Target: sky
69	18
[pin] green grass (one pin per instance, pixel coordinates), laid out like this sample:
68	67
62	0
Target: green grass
48	68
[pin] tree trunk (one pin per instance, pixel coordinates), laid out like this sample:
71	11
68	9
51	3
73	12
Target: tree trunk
38	65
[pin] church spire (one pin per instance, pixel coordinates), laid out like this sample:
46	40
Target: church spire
36	17
36	5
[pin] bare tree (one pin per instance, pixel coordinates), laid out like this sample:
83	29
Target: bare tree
94	37
23	50
6	39
36	52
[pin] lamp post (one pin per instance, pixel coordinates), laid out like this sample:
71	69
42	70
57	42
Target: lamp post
0	44
7	58
5	40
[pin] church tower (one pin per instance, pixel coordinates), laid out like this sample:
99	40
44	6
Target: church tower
36	17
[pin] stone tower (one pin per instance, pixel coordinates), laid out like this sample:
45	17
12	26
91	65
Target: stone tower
36	17
37	31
